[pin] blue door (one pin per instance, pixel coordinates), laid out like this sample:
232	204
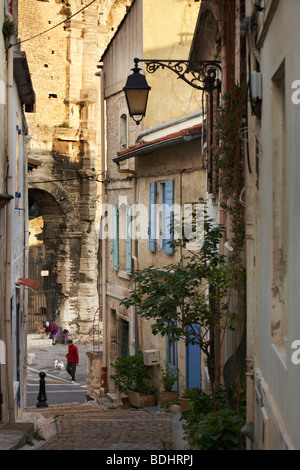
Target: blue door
193	365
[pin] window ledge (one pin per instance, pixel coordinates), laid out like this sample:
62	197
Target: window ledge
124	275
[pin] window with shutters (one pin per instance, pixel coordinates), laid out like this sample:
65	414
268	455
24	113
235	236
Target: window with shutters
161	216
121	238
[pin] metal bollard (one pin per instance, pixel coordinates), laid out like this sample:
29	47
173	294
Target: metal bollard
42	397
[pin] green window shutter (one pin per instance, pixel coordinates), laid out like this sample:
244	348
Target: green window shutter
128	241
152	217
115	237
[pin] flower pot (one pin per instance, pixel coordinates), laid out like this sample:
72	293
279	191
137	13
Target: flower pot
184	403
166	396
139	400
125	402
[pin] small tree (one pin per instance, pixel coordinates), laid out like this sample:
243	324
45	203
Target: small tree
189	299
130	373
168	378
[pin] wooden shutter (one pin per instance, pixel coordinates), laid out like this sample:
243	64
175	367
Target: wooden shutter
152	217
128	241
168	229
115	237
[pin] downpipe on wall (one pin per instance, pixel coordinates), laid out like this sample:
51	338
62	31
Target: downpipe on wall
8	260
104	241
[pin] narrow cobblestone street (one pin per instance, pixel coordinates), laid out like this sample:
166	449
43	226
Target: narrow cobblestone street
92	427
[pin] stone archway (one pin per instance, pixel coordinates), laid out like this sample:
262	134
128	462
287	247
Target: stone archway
57	258
46	253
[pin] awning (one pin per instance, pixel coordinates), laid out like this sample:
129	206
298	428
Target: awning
142	148
5	199
23	281
22	78
33	163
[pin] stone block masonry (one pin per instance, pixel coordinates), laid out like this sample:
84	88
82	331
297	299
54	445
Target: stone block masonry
65	136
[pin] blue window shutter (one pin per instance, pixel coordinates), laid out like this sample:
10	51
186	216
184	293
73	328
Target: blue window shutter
152	217
115	237
168	222
128	241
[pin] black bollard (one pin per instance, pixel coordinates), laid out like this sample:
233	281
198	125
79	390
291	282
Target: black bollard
42	397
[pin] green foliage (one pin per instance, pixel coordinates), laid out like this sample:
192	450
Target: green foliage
229	159
168	378
37	435
207	435
191	393
191	300
131	374
169	403
29	440
176	298
204	432
8	28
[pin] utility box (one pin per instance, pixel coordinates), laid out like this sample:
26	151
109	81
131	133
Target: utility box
151	357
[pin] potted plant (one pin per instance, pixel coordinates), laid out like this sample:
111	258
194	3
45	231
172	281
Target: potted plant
130	376
121	379
186	398
168	378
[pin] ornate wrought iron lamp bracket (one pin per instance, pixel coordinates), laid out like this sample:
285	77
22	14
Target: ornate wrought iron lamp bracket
203	76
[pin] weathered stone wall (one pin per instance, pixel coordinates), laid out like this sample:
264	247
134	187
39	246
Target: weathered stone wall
65	137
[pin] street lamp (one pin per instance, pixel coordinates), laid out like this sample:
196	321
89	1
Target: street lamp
202	76
136	92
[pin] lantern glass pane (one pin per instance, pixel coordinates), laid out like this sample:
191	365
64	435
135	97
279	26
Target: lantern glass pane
137	101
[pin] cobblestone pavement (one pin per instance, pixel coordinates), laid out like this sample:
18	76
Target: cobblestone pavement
94	427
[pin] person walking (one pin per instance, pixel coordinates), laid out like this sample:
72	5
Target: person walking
52	331
72	359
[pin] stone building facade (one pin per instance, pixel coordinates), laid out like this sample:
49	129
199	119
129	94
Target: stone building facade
273	254
63	42
130	174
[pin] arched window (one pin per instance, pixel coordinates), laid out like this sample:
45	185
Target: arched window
123	131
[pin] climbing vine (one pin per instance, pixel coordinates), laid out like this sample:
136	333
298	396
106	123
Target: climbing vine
8	28
229	160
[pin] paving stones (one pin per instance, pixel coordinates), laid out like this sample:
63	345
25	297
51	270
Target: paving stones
92	427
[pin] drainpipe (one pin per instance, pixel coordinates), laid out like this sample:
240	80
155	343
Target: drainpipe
104	240
8	261
169	124
136	267
26	260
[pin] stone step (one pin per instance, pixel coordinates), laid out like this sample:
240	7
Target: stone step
35	340
13	435
95	413
112	397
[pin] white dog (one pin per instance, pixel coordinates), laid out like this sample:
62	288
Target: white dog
58	364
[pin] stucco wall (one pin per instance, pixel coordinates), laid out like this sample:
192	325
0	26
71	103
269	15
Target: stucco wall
275	239
170	97
2	107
